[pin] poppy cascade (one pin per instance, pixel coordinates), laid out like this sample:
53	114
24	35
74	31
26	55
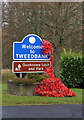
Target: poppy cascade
51	87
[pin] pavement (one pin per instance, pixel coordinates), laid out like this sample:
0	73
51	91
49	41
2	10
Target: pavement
43	111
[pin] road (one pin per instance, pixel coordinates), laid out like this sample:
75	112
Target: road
43	111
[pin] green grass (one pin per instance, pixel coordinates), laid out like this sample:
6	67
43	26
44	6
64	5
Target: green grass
9	100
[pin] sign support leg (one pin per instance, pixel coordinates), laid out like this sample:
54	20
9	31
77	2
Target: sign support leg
20	75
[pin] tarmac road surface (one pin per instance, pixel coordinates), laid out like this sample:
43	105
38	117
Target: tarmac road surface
43	111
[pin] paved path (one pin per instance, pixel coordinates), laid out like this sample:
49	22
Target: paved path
43	111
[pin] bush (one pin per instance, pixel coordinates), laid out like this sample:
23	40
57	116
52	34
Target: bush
38	77
8	76
24	81
71	69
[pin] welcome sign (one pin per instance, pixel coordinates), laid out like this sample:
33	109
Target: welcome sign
29	49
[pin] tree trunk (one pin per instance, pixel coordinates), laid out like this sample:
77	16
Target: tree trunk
55	65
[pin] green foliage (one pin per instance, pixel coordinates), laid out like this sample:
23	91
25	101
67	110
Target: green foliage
37	77
8	75
24	81
71	69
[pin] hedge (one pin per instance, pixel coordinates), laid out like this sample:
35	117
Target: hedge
24	81
37	76
71	69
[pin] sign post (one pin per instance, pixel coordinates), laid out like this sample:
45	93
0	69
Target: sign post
30	49
20	75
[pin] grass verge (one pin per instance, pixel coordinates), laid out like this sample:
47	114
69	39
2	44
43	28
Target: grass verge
11	100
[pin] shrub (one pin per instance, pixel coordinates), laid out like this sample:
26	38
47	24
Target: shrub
8	76
37	77
24	81
71	69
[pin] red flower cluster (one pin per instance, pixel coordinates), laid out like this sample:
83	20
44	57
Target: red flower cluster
51	87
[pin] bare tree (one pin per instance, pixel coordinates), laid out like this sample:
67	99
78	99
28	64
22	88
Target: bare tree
60	23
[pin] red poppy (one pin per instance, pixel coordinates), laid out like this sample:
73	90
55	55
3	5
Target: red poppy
51	87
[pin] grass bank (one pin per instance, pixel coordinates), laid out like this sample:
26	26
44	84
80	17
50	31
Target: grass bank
10	100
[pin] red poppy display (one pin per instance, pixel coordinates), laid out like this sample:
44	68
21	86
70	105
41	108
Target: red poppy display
51	87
